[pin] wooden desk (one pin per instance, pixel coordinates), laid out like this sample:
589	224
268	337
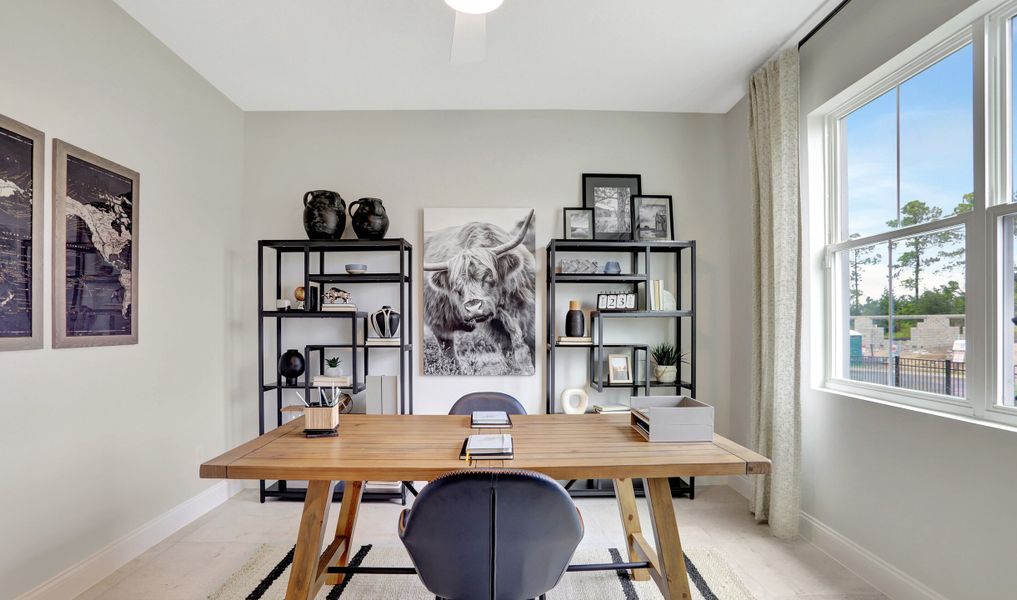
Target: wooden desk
421	447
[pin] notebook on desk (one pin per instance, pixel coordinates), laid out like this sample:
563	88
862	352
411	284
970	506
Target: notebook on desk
491	419
496	446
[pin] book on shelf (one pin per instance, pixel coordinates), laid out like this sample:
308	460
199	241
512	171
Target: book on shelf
380	341
611	408
344	307
490	419
578	341
383	487
322	381
487	447
655	295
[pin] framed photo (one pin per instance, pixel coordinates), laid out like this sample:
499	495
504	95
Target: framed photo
95	250
654	218
610	197
578	223
22	150
619	368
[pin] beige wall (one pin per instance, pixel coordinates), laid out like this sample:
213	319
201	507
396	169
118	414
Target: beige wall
97	442
931	496
415	160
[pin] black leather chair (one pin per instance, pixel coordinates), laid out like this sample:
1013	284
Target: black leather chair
486	401
491	534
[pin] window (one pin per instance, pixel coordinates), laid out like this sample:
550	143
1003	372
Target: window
921	235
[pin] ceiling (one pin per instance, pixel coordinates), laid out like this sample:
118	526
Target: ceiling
638	55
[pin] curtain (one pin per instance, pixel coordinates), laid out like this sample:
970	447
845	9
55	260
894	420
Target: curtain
776	402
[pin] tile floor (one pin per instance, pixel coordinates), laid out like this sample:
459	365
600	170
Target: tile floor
195	561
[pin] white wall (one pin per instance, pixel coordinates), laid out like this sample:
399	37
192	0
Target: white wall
415	160
933	497
99	441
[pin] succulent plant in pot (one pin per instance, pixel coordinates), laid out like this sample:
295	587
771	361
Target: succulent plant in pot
665	359
332	366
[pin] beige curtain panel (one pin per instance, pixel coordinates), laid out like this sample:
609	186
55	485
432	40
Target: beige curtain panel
776	403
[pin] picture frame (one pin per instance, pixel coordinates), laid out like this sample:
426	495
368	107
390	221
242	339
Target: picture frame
610	197
22	177
577	223
619	368
95	304
653	217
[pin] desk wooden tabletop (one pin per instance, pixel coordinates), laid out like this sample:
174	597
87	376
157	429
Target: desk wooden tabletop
421	447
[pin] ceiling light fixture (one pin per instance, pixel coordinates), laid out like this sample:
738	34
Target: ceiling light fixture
474	7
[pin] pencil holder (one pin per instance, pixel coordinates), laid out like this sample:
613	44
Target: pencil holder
321	417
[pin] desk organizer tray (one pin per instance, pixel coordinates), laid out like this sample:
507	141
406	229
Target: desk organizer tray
672	419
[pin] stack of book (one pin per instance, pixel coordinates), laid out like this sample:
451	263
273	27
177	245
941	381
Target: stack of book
487	447
383	487
490	419
339	307
322	381
655	295
380	341
610	408
564	340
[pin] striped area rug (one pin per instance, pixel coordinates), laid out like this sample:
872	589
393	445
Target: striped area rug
264	577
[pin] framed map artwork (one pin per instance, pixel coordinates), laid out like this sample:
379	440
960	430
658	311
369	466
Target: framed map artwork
95	250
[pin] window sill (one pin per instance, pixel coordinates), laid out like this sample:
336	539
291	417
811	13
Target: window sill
1001	419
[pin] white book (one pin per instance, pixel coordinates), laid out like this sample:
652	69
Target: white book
499	443
611	408
490	416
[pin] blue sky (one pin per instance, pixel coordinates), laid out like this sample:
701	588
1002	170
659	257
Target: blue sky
936	154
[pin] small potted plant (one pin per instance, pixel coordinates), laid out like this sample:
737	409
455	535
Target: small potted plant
332	366
665	359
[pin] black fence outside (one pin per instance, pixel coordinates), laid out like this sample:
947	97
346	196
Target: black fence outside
936	376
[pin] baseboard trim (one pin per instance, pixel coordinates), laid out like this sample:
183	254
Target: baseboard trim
80	577
883	576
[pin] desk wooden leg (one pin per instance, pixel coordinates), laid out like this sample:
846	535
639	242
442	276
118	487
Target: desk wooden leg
304	581
671	577
630	523
343	542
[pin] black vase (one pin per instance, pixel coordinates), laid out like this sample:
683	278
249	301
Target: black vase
291	366
370	221
324	215
386	322
575	322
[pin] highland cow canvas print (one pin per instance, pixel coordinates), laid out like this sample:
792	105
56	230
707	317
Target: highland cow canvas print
479	291
21	175
95	253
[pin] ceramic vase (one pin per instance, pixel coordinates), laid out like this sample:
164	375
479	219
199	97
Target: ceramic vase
324	215
370	221
575	322
291	366
385	322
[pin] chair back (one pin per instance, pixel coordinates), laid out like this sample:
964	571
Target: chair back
486	401
491	534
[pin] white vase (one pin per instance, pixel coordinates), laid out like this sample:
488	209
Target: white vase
574	401
332	372
667	374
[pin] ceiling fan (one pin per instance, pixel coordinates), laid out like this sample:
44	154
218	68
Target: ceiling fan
469	38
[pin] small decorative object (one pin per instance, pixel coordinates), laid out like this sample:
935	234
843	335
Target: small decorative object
616	301
345	403
578	223
575	322
356	268
385	322
22	151
282	304
299	294
95	250
619	368
612	267
667	301
610	196
654	218
578	265
665	359
672	419
291	366
335	295
574	401
332	366
324	215
370	221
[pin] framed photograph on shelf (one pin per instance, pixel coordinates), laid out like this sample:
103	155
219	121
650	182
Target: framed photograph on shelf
619	368
654	217
578	223
95	250
22	151
610	197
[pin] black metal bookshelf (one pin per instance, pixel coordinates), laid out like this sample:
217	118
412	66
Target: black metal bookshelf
314	256
640	274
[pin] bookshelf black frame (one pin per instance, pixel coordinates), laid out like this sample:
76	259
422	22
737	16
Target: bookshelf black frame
358	343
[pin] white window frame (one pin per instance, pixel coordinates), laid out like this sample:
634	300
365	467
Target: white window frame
985	25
